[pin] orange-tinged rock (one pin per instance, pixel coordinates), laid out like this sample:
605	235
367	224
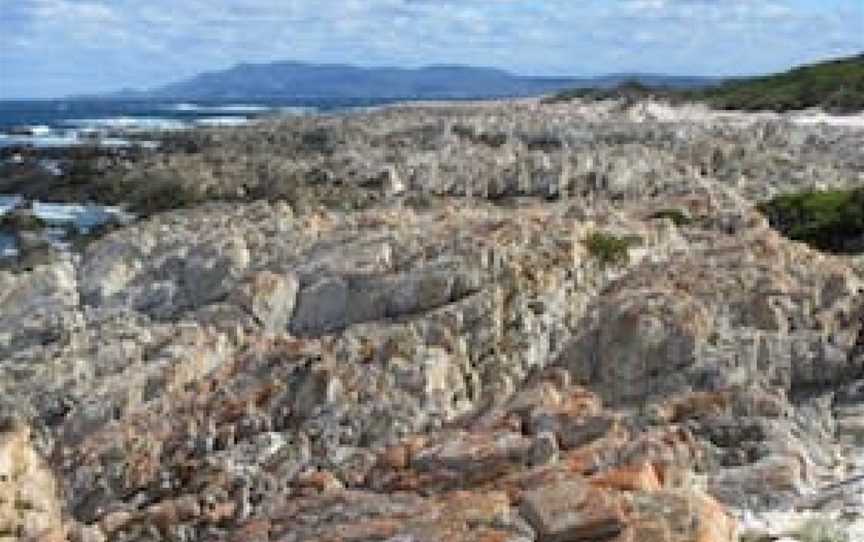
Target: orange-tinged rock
583	461
715	524
646	531
573	510
115	521
163	515
376	529
581	402
408	481
469	507
253	531
640	477
218	512
698	404
321	481
188	507
415	444
52	535
395	457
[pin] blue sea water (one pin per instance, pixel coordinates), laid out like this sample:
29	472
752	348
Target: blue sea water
60	113
67	123
47	123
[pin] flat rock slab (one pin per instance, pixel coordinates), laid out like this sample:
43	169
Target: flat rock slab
572	510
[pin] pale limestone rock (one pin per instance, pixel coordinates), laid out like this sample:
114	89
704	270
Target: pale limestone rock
30	504
269	297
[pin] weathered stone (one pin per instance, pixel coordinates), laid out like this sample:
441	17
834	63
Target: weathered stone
641	477
321	308
426	384
270	298
30	504
680	516
572	510
577	432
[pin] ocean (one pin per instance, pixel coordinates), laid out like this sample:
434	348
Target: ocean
60	123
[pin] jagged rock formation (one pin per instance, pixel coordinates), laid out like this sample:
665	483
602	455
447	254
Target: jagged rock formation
454	361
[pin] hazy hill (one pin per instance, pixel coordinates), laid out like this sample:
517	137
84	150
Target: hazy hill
296	80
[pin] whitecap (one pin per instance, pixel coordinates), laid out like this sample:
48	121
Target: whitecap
222	121
33	130
228	108
298	110
183	107
128	124
82	217
52	141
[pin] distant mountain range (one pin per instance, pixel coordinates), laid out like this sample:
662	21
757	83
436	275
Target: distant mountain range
299	80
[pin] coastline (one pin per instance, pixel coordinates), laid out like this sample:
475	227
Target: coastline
86	175
444	319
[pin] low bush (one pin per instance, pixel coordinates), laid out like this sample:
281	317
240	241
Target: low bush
156	193
21	221
829	220
678	216
610	249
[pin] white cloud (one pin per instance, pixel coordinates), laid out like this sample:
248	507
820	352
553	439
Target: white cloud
140	43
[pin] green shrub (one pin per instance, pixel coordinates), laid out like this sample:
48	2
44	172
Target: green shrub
464	131
830	220
678	216
21	221
610	249
162	194
493	140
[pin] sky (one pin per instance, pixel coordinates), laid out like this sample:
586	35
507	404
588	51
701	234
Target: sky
52	48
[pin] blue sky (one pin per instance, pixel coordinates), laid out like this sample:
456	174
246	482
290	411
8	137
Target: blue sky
59	47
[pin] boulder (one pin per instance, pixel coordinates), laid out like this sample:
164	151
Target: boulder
643	346
572	510
211	269
321	307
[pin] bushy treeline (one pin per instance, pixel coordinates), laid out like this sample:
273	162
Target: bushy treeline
836	86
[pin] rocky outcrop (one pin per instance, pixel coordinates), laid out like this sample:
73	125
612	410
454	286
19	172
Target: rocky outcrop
459	360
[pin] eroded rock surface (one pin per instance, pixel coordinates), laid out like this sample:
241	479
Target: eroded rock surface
454	361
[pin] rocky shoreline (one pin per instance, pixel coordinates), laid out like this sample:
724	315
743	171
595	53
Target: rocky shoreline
512	321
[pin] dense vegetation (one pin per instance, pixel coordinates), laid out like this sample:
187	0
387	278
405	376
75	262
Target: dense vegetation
836	86
830	220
